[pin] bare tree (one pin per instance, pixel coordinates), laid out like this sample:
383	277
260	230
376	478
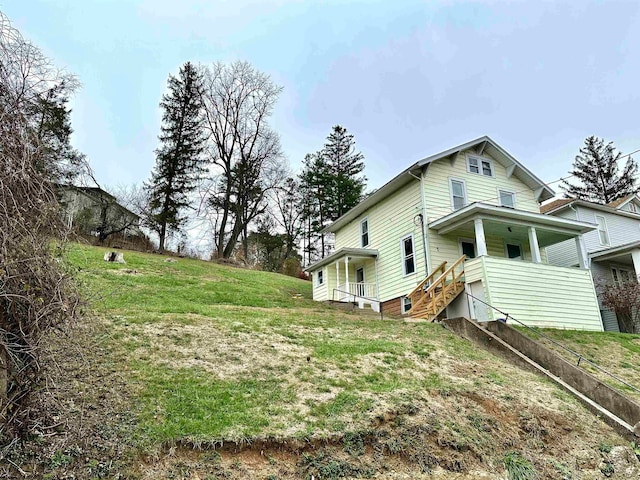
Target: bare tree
245	153
288	212
31	86
36	293
624	300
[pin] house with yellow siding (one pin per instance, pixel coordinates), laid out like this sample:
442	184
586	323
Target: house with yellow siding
456	234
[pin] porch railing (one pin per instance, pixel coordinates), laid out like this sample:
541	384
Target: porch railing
366	290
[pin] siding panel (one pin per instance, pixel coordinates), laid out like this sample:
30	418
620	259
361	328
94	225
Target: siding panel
543	295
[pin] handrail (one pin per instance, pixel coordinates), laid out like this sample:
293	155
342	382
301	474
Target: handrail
537	331
431	295
427	278
333	298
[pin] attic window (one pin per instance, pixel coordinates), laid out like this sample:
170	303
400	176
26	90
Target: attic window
480	166
633	208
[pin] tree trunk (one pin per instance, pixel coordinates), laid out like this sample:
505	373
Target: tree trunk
162	235
4	371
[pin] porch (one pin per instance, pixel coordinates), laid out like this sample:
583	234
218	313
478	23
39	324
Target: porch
615	266
350	275
506	267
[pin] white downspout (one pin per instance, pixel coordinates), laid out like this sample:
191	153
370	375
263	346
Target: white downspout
425	234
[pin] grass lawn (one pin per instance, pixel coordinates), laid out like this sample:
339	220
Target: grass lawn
207	355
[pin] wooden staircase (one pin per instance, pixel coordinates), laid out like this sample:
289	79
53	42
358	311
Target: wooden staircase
437	291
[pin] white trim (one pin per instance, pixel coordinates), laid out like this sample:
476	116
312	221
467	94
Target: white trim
481	159
364	274
606	230
467	240
403	308
506	250
625	268
464	191
365	219
504	190
403	257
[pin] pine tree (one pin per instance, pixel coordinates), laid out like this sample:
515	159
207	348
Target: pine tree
344	166
597	170
179	158
315	185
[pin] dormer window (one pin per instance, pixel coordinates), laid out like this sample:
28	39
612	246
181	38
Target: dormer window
479	165
633	208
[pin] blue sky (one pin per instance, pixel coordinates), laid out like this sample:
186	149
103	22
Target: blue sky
407	78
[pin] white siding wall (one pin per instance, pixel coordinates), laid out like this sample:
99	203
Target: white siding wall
389	221
541	295
479	188
601	273
621	229
564	254
320	292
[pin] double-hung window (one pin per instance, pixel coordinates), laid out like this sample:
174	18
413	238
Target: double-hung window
458	194
507	198
320	277
364	232
603	232
480	166
408	257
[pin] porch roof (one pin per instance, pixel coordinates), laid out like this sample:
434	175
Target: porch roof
613	252
343	252
462	219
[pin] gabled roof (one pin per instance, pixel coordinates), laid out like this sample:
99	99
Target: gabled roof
482	144
563	203
621	202
555	204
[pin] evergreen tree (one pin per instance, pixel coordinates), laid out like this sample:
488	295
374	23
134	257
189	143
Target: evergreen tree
597	170
315	186
344	167
179	158
331	185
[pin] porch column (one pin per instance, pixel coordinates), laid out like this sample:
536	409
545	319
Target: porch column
337	274
533	246
481	242
635	257
346	269
583	259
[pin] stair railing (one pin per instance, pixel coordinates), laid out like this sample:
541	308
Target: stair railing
417	294
351	294
439	289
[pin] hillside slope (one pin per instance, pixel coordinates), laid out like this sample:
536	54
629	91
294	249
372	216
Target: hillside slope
190	369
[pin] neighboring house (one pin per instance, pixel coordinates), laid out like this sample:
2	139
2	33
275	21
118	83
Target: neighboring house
401	249
613	248
94	212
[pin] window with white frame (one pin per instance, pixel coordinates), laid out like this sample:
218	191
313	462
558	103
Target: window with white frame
320	277
622	276
408	257
633	208
603	232
480	166
364	232
458	193
405	303
507	198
